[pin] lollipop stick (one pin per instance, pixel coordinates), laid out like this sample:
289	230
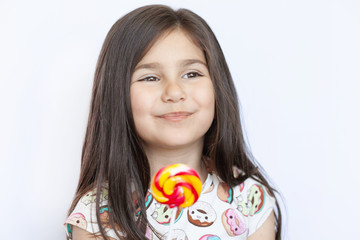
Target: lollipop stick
172	221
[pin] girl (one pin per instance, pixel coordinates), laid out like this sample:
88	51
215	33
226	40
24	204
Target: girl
163	94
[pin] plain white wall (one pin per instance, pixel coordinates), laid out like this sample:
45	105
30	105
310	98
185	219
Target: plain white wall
296	67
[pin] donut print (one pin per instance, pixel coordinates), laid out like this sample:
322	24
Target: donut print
233	224
210	188
90	197
148	233
209	237
201	214
224	192
77	219
162	213
177	234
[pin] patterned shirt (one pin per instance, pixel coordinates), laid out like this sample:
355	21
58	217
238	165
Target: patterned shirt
220	213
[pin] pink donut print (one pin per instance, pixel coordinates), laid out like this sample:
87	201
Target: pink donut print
148	233
77	219
242	186
233	224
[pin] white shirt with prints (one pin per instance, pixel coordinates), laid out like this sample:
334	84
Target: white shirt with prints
220	213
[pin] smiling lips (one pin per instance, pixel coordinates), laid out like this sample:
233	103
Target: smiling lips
175	116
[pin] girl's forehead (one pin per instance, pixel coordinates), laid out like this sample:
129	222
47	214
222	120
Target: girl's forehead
171	46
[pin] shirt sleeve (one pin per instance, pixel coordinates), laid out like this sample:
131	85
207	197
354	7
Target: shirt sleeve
254	202
84	216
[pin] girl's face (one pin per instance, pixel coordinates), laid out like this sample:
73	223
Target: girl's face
172	95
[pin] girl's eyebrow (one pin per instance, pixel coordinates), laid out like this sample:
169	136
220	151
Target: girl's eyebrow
153	65
156	65
188	62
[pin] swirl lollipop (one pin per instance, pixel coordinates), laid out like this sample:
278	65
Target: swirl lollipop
176	185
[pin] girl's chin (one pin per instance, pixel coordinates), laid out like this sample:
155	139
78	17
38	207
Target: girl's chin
175	144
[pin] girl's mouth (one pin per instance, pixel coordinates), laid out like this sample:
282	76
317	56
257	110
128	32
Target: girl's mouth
175	116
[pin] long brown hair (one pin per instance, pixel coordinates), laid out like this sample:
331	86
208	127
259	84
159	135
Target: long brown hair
112	153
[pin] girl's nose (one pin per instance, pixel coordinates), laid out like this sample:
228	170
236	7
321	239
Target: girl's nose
173	92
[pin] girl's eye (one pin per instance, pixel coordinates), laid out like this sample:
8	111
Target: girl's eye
150	79
192	75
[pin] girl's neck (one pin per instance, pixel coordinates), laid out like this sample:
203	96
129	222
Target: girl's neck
191	156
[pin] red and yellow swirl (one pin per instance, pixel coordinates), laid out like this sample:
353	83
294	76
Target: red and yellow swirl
176	185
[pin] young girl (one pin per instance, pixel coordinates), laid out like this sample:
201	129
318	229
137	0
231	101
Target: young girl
163	94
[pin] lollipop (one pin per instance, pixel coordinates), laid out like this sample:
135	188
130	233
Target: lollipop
176	185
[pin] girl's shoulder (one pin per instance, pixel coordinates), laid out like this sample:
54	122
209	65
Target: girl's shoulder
250	201
255	202
84	215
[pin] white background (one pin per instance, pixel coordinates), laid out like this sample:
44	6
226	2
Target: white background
296	65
